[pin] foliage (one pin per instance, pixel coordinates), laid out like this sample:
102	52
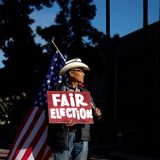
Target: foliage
26	62
73	30
23	55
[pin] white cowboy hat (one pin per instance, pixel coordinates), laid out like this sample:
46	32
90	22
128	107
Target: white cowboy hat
72	64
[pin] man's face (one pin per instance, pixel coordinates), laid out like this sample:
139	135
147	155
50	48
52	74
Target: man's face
77	75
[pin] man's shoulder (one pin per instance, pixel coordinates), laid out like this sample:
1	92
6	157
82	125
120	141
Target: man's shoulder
64	87
61	87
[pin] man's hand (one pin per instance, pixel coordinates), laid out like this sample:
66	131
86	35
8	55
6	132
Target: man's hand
98	112
70	123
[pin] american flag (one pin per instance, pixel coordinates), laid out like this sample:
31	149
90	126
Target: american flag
31	140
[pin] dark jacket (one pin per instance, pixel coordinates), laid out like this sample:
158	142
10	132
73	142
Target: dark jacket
58	133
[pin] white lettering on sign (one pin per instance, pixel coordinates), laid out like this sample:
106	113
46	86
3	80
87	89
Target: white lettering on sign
55	99
64	101
59	113
65	105
74	100
79	100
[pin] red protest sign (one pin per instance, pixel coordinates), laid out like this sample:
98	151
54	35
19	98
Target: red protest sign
64	106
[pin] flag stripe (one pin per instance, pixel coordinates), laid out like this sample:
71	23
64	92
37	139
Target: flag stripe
47	153
22	132
31	132
18	132
31	140
37	136
26	132
41	141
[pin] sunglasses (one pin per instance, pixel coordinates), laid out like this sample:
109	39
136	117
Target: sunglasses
78	70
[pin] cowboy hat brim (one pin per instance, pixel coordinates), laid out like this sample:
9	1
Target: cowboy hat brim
73	65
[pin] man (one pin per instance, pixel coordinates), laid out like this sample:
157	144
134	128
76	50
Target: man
70	139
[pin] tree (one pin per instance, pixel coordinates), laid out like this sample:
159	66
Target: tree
17	42
73	31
